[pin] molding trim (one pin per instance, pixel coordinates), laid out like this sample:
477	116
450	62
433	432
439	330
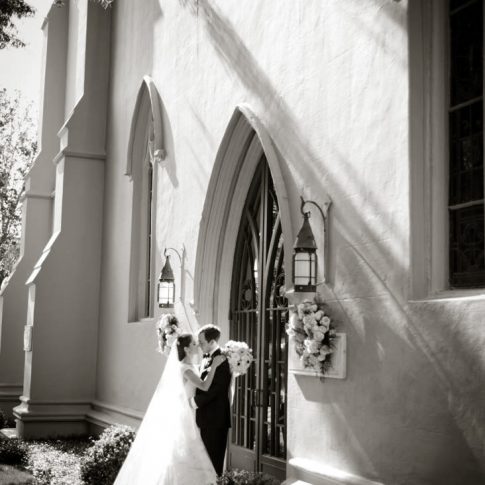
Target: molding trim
65	153
96	412
10	392
103	414
131	413
30	411
318	474
37	195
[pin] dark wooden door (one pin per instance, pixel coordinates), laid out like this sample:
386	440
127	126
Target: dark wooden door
259	313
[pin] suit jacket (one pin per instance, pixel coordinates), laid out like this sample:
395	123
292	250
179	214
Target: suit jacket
213	408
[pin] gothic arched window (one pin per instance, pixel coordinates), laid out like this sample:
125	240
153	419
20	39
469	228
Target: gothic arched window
144	149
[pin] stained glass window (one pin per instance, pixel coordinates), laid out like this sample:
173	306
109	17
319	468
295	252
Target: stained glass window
466	255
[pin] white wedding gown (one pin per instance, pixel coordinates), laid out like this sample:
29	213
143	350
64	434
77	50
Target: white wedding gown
168	449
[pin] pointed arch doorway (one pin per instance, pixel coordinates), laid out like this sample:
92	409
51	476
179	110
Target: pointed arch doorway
245	220
258	315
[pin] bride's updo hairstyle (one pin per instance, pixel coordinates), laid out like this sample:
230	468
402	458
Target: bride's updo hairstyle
183	341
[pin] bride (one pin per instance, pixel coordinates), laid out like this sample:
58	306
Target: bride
168	449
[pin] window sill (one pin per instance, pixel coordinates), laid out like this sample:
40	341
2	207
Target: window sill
452	296
142	321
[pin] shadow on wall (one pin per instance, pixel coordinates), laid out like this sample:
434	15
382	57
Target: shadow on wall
419	413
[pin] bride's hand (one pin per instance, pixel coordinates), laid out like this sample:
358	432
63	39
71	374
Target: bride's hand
218	360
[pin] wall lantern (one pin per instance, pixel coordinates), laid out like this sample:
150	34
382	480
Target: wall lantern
305	261
166	281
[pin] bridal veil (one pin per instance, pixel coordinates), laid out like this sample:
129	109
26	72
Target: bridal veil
168	449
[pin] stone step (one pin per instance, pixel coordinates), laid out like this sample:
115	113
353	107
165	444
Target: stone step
8	433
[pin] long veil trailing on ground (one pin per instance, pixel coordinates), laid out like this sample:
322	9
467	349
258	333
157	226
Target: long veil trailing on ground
168	449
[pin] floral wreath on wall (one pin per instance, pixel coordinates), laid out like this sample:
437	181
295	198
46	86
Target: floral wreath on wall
168	330
314	333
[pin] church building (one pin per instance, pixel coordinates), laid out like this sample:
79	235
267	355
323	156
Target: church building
212	132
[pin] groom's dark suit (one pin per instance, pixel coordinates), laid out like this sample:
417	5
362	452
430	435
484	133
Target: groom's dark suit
213	413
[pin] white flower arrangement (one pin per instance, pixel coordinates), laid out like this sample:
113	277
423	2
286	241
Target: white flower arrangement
313	332
167	332
239	356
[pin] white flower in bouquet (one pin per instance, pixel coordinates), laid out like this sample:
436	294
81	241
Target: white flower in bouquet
325	350
313	334
318	335
314	362
318	315
172	338
167	332
311	346
304	308
309	320
239	356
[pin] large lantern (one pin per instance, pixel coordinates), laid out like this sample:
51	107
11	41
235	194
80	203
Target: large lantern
166	286
305	258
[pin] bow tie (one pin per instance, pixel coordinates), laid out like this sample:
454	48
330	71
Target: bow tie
206	356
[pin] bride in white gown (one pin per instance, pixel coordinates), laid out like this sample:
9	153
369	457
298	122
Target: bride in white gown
168	449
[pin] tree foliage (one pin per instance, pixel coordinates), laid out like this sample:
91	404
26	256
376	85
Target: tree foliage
18	148
8	10
104	3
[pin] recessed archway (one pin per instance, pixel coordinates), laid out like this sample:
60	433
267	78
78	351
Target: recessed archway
243	144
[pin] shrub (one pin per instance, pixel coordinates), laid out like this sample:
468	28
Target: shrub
56	462
243	477
104	458
12	452
3	419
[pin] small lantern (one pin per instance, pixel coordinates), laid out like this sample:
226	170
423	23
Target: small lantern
166	286
305	258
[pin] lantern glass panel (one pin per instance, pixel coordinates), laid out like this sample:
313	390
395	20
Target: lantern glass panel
166	293
305	270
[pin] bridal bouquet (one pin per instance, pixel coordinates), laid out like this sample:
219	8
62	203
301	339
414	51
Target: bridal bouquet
313	332
239	356
167	331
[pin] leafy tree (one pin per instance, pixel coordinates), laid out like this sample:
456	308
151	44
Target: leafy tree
8	31
104	3
18	148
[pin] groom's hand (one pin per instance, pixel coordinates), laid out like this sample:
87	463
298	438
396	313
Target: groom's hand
220	386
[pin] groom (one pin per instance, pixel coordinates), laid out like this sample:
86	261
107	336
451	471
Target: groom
213	413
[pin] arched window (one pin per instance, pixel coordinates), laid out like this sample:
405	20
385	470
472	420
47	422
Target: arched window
144	148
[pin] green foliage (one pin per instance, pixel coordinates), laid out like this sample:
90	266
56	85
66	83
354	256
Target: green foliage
103	460
12	452
3	419
243	477
103	3
56	462
18	147
8	31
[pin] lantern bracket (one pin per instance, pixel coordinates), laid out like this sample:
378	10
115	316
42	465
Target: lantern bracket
181	257
324	214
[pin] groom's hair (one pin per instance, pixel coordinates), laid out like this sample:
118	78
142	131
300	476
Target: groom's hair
211	332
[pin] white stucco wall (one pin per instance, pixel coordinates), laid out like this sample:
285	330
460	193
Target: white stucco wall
329	81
